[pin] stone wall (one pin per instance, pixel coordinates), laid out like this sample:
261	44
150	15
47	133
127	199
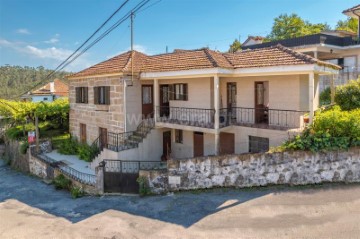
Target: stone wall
249	170
94	116
17	160
38	167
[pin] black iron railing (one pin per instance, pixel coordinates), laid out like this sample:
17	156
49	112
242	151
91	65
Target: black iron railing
81	177
261	117
196	117
129	140
132	166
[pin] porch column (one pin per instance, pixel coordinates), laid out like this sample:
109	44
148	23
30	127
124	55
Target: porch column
332	88
217	113
311	96
156	99
316	55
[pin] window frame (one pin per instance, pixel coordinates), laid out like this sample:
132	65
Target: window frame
102	95
181	91
179	136
81	95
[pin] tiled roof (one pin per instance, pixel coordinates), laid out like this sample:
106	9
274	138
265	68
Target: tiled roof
118	64
185	60
272	56
60	89
357	7
201	59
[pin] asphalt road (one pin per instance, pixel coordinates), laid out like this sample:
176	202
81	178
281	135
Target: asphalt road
30	208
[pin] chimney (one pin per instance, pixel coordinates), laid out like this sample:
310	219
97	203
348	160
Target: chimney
52	87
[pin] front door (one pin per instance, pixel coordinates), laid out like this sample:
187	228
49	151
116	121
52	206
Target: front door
227	143
166	145
164	100
198	144
260	110
147	101
103	138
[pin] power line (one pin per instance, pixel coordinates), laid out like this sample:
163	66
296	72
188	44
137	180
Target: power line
65	62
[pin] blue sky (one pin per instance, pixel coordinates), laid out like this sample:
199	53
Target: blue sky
45	32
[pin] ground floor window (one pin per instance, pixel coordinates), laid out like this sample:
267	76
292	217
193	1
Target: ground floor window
258	144
178	136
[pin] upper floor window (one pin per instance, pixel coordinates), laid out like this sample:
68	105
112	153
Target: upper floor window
181	92
102	95
81	95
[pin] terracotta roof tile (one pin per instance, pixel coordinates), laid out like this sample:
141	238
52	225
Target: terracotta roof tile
60	88
201	59
272	56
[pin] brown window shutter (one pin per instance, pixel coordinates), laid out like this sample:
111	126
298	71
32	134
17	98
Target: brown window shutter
86	89
96	95
185	92
107	95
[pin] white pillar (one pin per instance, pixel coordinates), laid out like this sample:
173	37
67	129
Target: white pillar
311	96
156	99
316	55
217	113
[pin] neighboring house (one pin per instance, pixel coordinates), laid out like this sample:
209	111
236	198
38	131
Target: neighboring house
203	102
337	47
252	40
49	92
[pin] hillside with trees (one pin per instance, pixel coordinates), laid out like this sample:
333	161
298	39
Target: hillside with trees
15	80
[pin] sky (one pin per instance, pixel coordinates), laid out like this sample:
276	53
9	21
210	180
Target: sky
45	32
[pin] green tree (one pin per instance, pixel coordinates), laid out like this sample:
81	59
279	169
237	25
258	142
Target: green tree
350	24
289	26
235	46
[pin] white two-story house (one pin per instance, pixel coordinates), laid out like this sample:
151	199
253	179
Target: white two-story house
193	103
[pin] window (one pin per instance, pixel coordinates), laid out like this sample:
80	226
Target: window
178	136
181	92
45	98
81	95
83	133
102	95
146	95
258	144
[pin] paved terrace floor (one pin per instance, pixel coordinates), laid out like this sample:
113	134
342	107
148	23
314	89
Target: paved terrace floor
31	209
72	161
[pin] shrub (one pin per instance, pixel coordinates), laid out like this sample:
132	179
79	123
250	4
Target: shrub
68	147
325	97
332	129
84	152
76	192
61	182
23	147
144	188
348	96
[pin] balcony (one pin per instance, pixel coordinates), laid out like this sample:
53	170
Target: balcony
195	117
240	116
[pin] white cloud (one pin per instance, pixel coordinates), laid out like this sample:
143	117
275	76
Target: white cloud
23	31
49	53
53	40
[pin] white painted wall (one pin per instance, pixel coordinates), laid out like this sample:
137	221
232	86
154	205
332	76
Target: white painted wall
42	98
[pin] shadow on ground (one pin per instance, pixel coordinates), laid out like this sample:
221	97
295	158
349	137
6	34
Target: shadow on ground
183	209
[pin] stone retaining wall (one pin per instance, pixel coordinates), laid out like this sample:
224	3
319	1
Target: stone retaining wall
249	170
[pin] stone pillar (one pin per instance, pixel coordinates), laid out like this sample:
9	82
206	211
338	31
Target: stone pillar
99	172
311	96
156	99
217	113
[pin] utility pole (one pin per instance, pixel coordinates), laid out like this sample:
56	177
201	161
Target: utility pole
132	46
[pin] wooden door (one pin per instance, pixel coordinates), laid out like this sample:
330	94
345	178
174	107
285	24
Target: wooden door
227	143
164	100
260	111
147	100
166	145
83	133
198	144
103	137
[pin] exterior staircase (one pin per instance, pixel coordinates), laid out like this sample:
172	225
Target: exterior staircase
117	142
